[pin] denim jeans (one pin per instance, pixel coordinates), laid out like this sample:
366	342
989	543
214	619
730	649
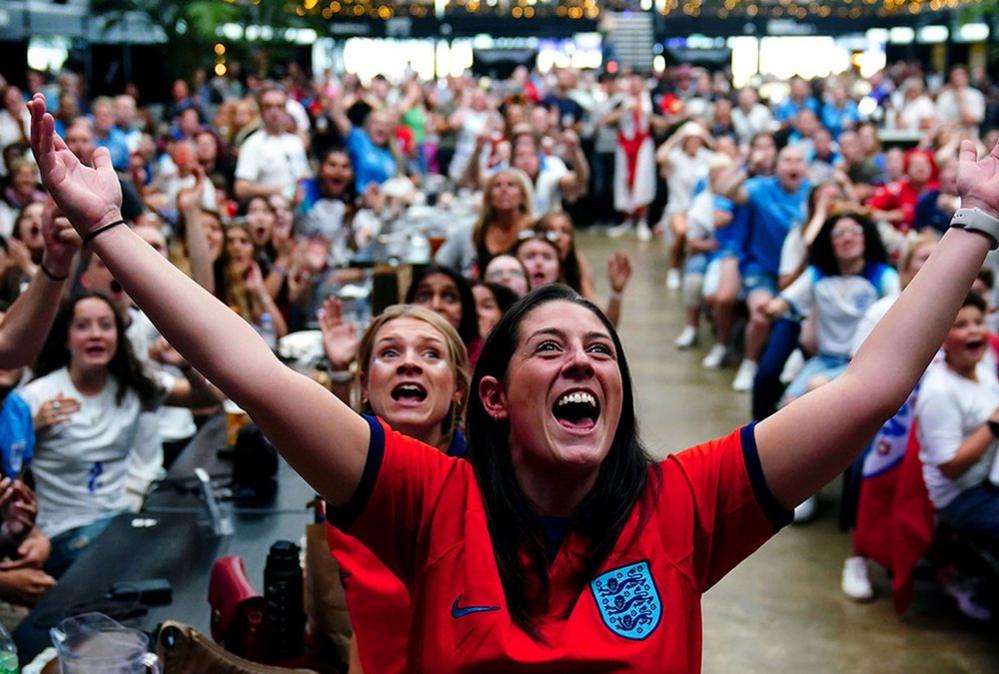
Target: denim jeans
69	545
767	387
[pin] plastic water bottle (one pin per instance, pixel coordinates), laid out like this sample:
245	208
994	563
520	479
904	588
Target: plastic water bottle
8	653
267	332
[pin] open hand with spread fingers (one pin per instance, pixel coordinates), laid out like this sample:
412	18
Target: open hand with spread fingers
978	179
89	196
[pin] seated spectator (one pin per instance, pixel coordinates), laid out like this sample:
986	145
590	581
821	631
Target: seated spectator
506	210
442	290
272	160
507	271
23	551
491	302
538	253
97	450
775	203
935	207
329	200
22	190
240	284
414	375
913	109
895	202
22	252
702	270
848	272
957	414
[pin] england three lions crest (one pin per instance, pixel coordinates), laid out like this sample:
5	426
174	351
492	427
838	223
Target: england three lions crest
628	600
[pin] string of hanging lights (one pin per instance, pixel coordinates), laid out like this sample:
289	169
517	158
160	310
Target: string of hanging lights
591	9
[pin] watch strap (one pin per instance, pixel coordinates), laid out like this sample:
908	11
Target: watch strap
977	220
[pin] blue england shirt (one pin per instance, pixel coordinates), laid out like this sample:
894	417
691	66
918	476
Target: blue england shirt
372	164
773	213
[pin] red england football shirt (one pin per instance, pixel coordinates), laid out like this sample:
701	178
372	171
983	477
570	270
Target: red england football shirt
421	514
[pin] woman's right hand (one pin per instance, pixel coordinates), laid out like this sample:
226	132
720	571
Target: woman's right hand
339	338
89	197
55	411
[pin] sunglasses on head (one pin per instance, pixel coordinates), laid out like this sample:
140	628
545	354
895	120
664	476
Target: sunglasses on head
526	234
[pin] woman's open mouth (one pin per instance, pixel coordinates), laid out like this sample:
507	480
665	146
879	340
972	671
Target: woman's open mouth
577	410
409	394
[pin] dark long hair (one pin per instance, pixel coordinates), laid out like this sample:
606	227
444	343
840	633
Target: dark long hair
822	256
468	328
514	525
125	367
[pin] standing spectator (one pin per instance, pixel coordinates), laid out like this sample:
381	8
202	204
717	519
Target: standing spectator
271	161
634	168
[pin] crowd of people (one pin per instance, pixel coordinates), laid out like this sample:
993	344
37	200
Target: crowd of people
791	221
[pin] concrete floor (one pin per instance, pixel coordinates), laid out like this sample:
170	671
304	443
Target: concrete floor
781	608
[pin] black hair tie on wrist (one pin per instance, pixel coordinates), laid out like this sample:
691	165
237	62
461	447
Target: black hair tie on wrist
51	274
100	230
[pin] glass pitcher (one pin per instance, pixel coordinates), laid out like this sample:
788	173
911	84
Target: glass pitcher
92	643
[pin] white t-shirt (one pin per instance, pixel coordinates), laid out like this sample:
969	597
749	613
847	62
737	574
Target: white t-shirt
273	160
84	466
175	423
839	302
793	252
684	172
949	112
547	194
951	407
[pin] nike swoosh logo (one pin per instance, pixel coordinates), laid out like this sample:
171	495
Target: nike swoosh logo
458	611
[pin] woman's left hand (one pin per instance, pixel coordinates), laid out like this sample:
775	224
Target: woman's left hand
619	271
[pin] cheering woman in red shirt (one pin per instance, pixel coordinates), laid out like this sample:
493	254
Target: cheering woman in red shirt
559	546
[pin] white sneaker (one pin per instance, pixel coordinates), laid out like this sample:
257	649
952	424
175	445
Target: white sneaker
743	381
715	357
617	231
687	338
857	579
673	279
643	231
793	365
805	512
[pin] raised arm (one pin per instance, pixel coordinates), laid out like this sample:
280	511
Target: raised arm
29	319
320	436
813	439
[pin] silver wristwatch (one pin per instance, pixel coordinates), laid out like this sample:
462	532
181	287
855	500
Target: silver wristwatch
977	220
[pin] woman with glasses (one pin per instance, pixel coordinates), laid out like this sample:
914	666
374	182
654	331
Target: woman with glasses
848	272
507	270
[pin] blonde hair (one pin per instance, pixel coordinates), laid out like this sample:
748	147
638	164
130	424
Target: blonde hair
926	237
487	213
456	353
